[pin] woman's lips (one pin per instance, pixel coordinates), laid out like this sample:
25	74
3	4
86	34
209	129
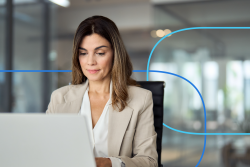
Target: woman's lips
93	71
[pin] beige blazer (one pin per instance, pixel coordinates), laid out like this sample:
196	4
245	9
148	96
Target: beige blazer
131	132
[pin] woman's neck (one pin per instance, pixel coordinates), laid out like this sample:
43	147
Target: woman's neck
100	87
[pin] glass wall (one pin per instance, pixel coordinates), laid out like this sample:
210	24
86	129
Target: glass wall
28	54
217	63
2	51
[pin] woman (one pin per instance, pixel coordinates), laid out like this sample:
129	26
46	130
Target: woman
119	113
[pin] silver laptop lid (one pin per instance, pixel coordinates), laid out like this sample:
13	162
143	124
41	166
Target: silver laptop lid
39	140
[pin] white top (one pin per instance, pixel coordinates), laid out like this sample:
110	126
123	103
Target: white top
99	135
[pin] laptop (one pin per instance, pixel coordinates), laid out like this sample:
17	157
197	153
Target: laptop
40	140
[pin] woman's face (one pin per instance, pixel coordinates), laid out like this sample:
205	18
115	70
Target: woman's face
95	57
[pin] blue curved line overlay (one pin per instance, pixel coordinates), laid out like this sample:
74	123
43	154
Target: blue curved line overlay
35	70
140	71
185	29
147	71
191	28
204	108
185	132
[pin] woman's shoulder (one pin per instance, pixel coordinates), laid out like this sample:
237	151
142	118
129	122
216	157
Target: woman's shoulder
139	98
138	89
136	92
64	89
61	90
58	95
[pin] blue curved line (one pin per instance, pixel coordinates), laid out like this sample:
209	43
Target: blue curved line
204	108
185	132
192	133
138	71
35	70
185	29
191	28
163	123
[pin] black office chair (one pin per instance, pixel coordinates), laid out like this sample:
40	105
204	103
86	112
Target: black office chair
157	89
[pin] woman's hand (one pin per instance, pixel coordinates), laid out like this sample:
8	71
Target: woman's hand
103	162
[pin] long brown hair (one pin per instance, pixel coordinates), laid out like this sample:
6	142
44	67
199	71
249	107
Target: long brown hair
122	67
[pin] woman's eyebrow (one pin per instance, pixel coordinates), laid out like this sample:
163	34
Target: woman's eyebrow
82	48
95	48
100	47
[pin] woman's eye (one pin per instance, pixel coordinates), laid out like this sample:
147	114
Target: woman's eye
82	53
101	53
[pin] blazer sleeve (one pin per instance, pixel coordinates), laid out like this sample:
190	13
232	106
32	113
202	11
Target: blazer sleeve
144	143
51	106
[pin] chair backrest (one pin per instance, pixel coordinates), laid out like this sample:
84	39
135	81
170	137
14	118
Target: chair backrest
157	89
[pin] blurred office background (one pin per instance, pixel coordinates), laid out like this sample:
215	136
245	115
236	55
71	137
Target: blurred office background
38	35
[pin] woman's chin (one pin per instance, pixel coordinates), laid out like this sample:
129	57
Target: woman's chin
91	78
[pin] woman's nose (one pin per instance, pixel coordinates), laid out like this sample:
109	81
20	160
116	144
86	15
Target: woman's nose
91	59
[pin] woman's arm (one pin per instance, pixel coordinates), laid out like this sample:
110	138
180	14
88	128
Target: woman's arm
144	143
51	105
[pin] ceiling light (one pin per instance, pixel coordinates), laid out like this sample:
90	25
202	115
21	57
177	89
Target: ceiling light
153	34
63	3
160	33
167	31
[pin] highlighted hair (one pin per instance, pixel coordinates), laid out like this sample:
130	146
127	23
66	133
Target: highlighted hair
122	67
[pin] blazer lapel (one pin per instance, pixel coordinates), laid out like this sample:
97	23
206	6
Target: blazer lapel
73	99
118	123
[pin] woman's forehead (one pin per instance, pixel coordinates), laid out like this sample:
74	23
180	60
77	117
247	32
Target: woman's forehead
93	41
